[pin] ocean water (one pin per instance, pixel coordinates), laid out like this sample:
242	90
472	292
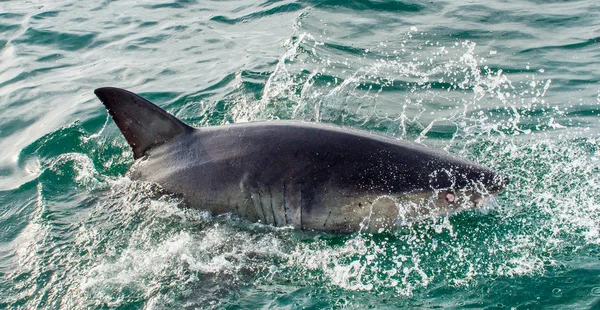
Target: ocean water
512	84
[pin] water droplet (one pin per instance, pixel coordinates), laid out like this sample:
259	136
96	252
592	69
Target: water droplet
557	292
596	291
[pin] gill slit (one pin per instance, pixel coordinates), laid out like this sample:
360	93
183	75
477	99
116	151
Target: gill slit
301	208
327	219
262	209
285	206
272	210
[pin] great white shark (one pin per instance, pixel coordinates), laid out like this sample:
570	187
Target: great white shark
308	176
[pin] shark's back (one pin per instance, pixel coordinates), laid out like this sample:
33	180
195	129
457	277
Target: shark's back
283	173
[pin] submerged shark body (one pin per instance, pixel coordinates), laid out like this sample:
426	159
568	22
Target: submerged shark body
304	175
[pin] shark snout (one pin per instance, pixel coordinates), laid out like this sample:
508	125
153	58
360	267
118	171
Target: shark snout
479	190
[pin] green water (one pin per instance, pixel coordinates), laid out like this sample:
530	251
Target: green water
513	85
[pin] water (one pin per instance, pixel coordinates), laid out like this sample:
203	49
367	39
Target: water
512	85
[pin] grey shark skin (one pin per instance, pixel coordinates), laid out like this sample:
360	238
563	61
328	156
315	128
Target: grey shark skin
305	175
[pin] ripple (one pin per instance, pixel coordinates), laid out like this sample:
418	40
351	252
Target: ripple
50	58
6	15
148	24
596	291
47	14
368	5
14	216
61	40
482	34
178	4
286	8
28	75
148	40
572	46
13	125
7	28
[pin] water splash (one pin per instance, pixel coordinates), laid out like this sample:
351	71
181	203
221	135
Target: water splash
129	247
549	209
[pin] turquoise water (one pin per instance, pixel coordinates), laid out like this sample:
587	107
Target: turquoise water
512	84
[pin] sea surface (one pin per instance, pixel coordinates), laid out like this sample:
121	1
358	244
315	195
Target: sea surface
512	84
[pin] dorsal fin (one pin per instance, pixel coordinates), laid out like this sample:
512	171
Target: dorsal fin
143	124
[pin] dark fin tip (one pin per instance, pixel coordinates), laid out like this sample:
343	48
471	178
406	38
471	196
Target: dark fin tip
144	124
